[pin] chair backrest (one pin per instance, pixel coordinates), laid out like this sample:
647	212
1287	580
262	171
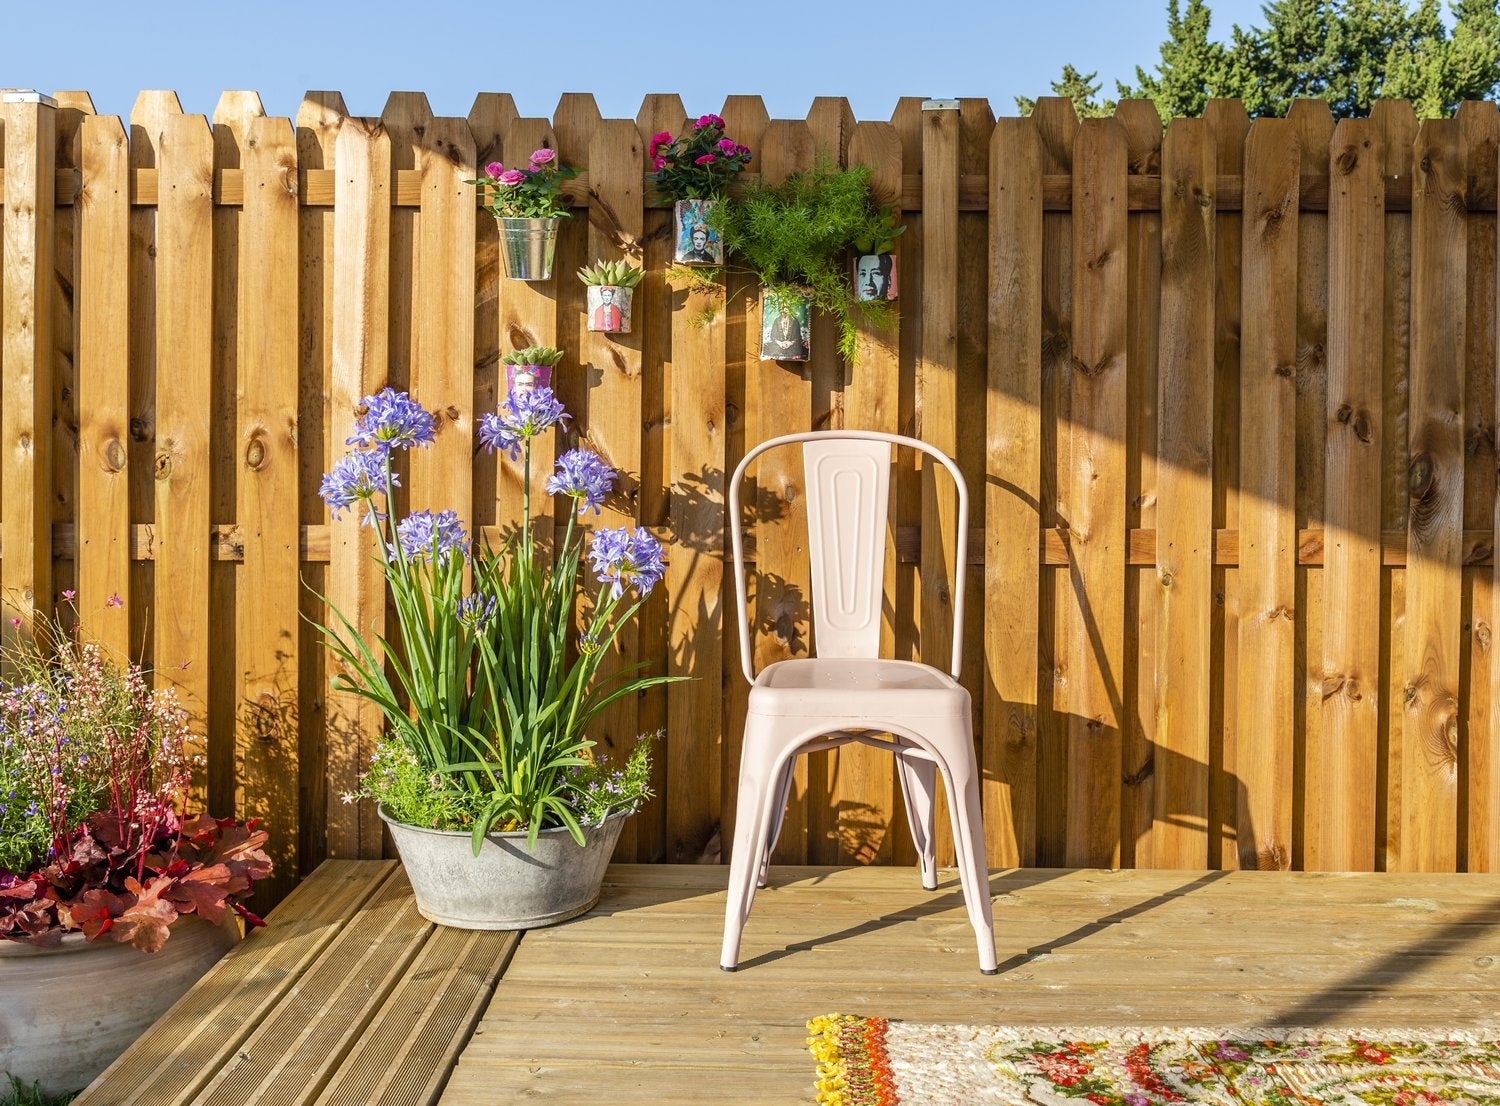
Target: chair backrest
848	484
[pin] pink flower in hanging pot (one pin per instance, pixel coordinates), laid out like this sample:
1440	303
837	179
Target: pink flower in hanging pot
705	159
543	156
659	164
708	121
494	169
727	145
511	177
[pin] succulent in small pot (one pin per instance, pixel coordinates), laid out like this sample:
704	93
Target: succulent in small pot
875	259
611	288
530	368
528	204
694	170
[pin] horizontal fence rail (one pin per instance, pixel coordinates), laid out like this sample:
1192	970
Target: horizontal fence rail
1224	394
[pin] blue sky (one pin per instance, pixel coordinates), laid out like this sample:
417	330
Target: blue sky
787	51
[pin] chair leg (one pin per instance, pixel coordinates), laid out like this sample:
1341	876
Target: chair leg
783	796
962	782
753	818
919	789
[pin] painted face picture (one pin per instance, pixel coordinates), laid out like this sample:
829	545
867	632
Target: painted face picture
785	330
609	308
696	243
875	277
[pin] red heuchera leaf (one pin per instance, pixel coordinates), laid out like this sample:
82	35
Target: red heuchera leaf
133	889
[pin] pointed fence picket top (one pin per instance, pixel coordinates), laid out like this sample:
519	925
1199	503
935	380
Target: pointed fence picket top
1160	353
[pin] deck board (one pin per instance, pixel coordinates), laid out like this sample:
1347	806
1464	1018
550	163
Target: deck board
628	1005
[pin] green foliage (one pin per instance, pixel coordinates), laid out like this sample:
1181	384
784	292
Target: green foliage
621	274
793	236
23	1094
890	229
1347	52
533	355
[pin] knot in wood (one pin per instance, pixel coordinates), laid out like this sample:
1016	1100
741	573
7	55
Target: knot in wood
163	466
1420	476
114	456
24	442
139	430
1344	413
1346	160
1166	579
255	452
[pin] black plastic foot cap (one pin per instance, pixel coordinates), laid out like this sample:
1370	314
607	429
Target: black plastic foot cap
729	967
929	886
982	971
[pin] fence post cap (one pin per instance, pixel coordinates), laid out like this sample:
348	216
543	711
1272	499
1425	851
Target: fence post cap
29	96
939	105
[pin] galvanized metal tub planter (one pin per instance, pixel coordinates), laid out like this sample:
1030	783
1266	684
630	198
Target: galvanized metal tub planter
528	247
69	1010
507	886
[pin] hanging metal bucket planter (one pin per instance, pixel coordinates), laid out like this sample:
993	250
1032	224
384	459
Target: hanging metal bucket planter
528	247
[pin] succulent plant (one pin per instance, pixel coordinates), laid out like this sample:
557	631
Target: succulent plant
533	355
620	274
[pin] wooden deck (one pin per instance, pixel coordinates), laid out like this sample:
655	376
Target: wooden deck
351	998
628	1005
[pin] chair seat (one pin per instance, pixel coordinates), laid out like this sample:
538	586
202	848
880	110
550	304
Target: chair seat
840	687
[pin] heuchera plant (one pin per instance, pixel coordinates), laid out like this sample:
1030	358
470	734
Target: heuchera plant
488	697
534	192
699	164
93	778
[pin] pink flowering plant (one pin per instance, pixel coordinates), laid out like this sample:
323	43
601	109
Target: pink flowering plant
530	192
489	695
698	164
94	775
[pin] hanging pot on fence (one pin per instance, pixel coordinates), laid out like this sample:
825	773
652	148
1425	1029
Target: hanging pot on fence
695	242
609	308
875	277
527	378
785	325
528	247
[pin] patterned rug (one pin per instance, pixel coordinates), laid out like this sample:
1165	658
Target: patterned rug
875	1062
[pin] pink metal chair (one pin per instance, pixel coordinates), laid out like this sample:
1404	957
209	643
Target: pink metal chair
847	692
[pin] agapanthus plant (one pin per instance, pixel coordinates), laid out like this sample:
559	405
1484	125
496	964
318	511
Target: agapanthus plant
698	164
488	697
94	772
532	192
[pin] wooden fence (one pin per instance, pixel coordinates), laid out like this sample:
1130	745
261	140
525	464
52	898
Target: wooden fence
1225	398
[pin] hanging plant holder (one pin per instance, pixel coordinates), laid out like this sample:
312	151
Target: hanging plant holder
785	325
527	378
875	277
609	308
528	247
696	243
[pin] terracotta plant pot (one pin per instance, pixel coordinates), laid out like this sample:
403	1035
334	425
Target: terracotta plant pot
609	308
694	243
785	327
70	1010
507	886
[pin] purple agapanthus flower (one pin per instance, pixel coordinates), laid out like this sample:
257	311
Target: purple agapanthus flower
392	420
524	414
582	474
627	557
476	610
424	534
358	477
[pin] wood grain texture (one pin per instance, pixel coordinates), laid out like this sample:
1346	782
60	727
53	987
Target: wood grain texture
267	633
866	793
1092	641
1185	454
1266	672
1341	765
186	641
1013	490
1432	722
26	396
356	586
1488	641
783	405
103	399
